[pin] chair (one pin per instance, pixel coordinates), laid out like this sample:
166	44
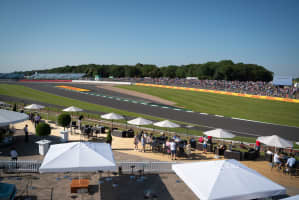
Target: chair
132	169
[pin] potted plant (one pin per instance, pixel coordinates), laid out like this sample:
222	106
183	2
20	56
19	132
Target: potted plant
64	120
43	130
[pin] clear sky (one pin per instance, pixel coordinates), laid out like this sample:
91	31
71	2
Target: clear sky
44	34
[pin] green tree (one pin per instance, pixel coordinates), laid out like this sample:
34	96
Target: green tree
43	129
180	72
64	120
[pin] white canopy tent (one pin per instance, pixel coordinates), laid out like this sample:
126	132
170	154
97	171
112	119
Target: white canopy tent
72	109
34	107
219	133
10	117
226	180
78	157
275	141
140	121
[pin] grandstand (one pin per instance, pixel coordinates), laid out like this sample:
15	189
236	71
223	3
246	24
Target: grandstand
56	76
11	76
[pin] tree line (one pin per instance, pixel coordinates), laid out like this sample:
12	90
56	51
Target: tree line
222	70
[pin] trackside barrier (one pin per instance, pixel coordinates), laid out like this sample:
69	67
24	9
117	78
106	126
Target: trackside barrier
32	166
102	82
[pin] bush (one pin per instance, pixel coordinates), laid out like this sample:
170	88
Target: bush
109	138
64	120
43	129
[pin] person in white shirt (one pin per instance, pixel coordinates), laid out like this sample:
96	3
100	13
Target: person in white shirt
291	162
276	160
13	154
173	150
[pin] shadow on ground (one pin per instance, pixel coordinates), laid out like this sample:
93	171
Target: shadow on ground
134	188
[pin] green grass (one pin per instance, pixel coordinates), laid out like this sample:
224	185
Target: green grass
43	97
283	113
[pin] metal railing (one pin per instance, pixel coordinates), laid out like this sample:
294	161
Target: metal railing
33	166
152	167
20	165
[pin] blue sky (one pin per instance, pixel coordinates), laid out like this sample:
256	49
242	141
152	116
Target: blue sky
45	34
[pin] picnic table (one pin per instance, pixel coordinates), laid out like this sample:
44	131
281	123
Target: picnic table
79	185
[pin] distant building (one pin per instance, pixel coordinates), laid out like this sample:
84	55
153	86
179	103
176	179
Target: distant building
282	80
56	76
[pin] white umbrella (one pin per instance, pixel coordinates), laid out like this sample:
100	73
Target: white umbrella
275	141
10	117
226	179
140	121
112	116
34	107
219	133
72	109
166	124
78	157
2	103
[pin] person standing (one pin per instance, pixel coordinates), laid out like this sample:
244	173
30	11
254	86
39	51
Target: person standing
143	142
205	145
173	150
257	145
26	133
36	120
136	141
13	154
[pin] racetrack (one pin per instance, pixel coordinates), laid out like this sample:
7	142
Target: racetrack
239	127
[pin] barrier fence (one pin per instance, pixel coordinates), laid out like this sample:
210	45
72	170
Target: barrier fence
32	166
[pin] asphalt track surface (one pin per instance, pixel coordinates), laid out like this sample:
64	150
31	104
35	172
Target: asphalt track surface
239	127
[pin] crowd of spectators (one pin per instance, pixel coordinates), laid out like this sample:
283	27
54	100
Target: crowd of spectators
245	87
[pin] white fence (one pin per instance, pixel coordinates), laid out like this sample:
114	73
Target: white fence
20	165
33	166
152	167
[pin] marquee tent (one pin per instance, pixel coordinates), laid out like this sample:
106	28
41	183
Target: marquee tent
78	157
226	180
10	117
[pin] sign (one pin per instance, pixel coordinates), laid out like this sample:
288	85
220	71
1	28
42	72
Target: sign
282	80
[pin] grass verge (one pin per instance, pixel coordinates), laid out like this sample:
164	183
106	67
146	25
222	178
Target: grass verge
282	113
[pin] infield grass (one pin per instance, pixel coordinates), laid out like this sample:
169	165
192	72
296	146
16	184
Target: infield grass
283	113
44	97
